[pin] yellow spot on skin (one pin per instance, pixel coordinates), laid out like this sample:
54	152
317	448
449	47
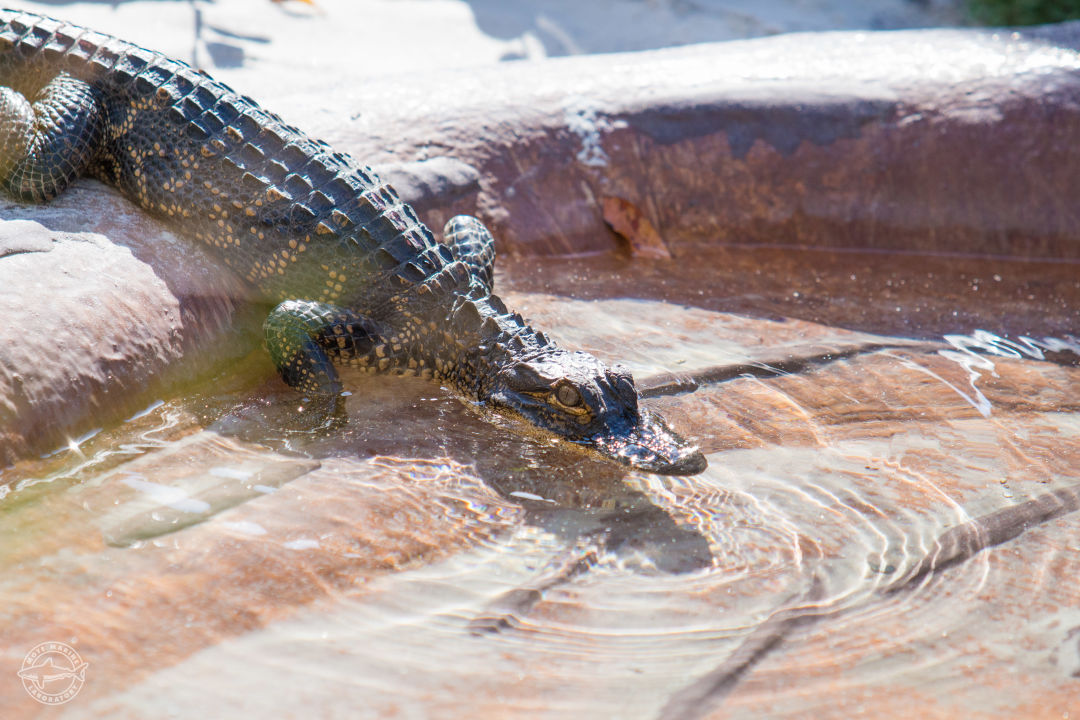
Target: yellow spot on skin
250	212
292	244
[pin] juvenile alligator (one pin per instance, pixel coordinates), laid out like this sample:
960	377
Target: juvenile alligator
357	277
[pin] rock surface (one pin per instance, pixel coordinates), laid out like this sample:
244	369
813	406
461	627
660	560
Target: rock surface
97	305
214	573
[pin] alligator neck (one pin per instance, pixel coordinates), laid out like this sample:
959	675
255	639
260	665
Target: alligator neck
481	337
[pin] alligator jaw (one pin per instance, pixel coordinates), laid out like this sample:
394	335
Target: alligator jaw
652	446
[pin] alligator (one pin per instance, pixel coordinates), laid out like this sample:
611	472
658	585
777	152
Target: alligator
353	275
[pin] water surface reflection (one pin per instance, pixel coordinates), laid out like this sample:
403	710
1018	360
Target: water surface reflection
880	515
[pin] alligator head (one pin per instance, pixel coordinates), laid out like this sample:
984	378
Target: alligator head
575	396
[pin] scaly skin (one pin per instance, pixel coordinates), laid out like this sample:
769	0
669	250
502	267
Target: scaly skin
357	277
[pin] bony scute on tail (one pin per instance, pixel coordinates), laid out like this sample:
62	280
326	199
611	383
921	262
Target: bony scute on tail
356	278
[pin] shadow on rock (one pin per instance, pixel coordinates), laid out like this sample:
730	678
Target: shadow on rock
583	501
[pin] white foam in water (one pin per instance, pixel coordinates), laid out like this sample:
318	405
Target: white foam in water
987	342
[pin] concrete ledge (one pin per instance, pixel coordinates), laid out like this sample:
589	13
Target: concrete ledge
937	140
95	322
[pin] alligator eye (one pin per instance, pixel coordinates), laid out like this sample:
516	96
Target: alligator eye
568	395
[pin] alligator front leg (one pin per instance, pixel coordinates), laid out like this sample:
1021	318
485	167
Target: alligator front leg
471	243
304	338
46	144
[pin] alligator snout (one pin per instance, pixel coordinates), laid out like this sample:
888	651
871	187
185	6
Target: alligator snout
652	446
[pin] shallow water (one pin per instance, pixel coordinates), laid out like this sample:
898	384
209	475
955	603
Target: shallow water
886	524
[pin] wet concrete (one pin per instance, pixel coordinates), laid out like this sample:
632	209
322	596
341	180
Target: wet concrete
209	571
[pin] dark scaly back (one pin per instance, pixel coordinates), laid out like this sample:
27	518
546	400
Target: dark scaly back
294	218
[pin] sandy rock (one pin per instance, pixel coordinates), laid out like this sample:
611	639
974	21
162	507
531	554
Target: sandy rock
93	327
240	554
366	572
865	142
854	502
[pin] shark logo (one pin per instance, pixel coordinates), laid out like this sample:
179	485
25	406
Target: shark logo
53	673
